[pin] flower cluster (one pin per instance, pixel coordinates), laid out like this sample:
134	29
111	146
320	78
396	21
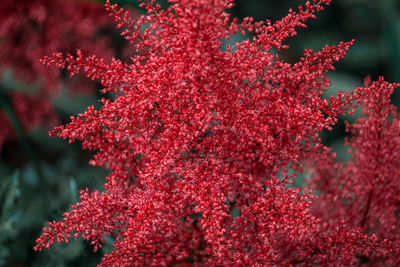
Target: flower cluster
29	30
200	139
365	192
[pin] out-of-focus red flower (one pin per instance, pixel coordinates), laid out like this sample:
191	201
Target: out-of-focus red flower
199	141
31	29
364	192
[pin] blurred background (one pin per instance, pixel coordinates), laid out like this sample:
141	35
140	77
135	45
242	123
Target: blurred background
41	176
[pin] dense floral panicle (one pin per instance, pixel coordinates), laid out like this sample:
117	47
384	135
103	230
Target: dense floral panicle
31	29
199	140
364	192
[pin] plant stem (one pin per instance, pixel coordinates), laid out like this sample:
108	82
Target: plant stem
7	107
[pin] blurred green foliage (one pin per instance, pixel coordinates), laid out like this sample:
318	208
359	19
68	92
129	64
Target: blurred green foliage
41	176
39	186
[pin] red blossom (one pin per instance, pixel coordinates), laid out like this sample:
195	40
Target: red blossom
31	29
199	141
364	192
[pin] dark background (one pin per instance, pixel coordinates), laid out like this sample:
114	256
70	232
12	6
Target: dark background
28	202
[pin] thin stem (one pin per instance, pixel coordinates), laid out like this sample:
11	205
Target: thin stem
364	218
7	107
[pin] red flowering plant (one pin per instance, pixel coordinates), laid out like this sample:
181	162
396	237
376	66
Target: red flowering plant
32	29
364	192
200	141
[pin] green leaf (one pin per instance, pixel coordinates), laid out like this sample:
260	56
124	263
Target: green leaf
9	84
41	138
10	212
74	104
10	193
